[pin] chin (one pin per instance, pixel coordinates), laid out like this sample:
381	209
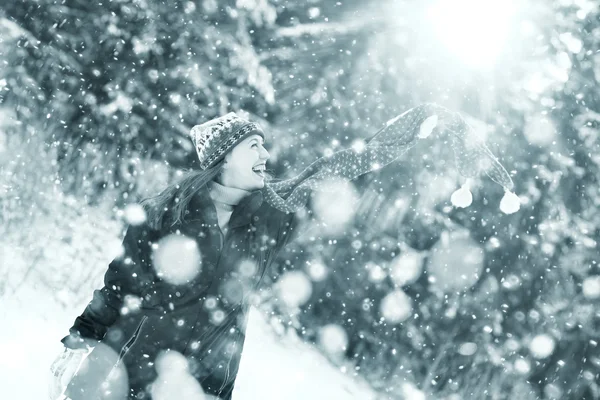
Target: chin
254	185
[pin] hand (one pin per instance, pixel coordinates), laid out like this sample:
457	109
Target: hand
63	369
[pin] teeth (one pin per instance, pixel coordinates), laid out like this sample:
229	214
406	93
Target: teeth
260	168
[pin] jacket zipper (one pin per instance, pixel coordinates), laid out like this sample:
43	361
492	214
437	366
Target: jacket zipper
223	237
227	369
128	345
132	340
221	247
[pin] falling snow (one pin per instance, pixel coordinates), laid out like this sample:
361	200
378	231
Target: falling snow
542	346
177	259
294	288
396	306
437	165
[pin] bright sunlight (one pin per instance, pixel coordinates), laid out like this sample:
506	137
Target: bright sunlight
474	30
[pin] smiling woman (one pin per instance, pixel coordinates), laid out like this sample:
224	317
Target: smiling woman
192	320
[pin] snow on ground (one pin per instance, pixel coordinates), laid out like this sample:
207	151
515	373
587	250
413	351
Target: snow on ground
286	368
32	326
272	368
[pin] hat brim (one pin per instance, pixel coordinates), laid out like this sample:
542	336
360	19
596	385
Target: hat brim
243	133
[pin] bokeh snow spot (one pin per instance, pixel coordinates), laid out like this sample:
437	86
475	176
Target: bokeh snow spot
359	145
135	214
317	271
247	268
540	130
210	303
174	377
177	259
335	202
376	272
591	287
542	346
333	339
131	304
396	306
522	366
553	391
294	288
171	362
406	268
467	349
233	291
217	317
455	264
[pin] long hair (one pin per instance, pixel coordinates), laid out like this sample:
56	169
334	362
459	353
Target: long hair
171	205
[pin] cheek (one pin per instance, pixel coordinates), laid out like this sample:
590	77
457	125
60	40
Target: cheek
243	171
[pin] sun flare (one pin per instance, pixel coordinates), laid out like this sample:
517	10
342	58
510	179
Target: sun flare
474	30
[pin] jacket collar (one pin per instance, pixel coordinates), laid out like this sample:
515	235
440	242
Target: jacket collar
202	207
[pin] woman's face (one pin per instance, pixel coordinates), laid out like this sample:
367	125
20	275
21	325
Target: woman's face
245	164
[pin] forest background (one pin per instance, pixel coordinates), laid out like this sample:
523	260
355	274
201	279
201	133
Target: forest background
97	100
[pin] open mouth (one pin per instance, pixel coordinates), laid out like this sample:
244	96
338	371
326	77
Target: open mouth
259	170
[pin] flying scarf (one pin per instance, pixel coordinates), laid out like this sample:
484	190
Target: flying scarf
472	158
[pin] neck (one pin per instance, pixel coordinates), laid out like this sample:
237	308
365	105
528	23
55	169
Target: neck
225	195
225	199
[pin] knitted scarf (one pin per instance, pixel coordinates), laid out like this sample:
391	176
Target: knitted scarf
472	157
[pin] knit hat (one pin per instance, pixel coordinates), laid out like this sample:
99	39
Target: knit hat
213	139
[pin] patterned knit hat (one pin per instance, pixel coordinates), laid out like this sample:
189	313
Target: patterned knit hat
213	139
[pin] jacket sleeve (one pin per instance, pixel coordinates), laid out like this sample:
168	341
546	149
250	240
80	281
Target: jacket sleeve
127	274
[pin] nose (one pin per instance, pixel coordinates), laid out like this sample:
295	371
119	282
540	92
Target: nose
264	154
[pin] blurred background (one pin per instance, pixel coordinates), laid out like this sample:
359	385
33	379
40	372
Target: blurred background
418	298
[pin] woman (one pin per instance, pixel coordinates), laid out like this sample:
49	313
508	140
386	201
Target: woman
222	208
239	224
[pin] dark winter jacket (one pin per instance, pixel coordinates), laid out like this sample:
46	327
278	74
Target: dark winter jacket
203	320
